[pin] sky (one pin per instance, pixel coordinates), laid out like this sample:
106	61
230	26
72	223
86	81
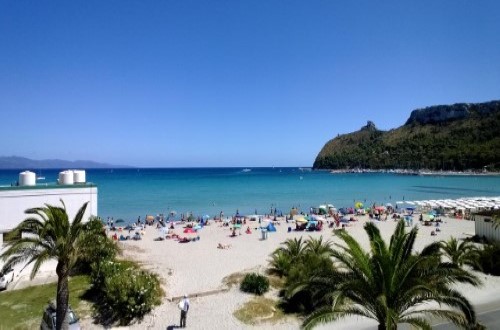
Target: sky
231	83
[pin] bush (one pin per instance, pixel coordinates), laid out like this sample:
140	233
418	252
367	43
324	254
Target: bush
255	283
125	291
94	247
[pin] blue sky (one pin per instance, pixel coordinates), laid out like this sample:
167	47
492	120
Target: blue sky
231	83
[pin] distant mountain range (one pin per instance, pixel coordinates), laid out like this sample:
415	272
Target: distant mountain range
461	136
15	162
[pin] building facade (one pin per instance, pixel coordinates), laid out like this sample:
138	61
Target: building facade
14	201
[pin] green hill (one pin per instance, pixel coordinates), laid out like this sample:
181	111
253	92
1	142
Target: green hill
447	137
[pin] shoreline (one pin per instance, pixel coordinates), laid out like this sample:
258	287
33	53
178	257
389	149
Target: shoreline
423	172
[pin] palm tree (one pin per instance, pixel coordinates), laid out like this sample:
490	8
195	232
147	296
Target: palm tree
496	221
293	247
388	283
55	237
280	263
283	258
319	247
460	253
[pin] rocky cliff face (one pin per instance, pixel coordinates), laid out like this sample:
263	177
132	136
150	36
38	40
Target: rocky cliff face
444	113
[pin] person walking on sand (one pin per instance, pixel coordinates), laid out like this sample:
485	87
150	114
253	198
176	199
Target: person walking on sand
184	307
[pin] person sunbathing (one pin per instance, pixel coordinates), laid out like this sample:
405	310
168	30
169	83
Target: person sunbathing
223	246
248	231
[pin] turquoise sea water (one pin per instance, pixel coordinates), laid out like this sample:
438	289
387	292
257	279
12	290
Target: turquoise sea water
128	193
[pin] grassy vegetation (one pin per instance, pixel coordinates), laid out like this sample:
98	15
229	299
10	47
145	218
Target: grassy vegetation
233	279
258	310
276	282
22	309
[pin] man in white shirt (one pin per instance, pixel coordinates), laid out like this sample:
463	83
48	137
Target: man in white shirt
184	307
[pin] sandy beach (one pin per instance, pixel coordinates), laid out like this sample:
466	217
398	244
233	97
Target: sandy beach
197	267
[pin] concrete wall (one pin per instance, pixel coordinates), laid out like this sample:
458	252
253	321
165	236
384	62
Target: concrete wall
484	227
13	202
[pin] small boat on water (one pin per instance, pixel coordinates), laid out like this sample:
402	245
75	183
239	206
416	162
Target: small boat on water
245	170
38	178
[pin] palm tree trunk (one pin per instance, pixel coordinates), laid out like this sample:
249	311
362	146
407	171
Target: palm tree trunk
62	296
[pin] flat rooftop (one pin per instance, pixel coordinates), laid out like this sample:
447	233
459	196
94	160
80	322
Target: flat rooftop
49	185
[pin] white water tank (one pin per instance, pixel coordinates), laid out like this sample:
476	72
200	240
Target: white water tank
79	176
27	178
66	177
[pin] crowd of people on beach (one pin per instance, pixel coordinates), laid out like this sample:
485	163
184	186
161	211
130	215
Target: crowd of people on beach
315	220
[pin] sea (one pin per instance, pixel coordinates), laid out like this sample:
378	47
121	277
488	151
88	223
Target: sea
132	192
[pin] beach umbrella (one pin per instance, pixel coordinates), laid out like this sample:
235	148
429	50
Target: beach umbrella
206	216
358	205
119	221
388	205
300	219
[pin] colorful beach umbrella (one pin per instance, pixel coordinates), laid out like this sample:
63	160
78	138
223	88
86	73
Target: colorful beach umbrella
358	205
300	219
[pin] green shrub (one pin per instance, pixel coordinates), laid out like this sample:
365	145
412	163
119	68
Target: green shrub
255	283
95	247
125	291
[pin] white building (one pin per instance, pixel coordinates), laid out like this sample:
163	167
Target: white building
485	227
14	201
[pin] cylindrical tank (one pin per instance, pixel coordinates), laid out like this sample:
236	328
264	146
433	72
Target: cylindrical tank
66	177
27	178
79	176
